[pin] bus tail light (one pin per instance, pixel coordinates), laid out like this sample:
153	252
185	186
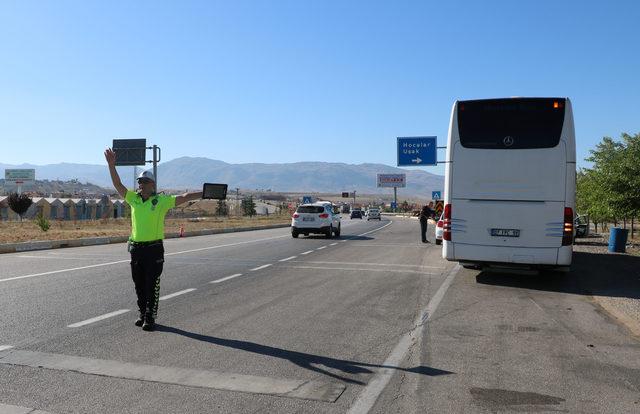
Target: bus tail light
567	234
446	223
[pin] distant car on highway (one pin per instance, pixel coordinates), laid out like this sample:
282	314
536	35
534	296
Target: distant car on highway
355	214
439	229
317	218
373	214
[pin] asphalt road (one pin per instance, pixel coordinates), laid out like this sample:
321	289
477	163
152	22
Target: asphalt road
373	321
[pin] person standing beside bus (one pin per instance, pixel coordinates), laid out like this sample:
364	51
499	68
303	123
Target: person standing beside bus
148	211
425	214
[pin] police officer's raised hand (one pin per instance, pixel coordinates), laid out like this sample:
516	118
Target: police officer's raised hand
110	156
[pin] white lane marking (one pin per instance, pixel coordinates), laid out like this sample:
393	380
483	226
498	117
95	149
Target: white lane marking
128	260
224	245
374	230
226	278
260	267
5	347
333	244
367	264
320	248
64	270
376	386
24	256
307	252
98	318
287	259
318	390
361	269
173	295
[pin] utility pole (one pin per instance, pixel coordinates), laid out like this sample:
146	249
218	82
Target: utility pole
354	198
238	200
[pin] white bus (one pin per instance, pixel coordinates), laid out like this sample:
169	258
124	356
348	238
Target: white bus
510	184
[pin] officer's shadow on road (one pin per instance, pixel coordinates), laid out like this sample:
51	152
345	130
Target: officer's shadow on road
302	359
595	274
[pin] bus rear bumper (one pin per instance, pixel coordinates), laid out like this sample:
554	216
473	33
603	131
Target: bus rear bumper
539	257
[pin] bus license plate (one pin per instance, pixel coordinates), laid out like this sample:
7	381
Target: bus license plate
505	232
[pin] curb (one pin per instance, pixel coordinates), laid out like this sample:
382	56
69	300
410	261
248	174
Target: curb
93	241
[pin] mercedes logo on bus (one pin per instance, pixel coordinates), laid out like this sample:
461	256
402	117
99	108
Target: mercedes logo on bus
508	141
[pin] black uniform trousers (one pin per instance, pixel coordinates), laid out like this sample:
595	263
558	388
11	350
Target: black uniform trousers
147	261
423	229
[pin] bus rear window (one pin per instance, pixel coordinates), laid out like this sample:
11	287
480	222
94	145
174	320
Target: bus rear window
511	123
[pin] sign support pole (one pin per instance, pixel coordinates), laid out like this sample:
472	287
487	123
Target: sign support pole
395	198
156	158
354	197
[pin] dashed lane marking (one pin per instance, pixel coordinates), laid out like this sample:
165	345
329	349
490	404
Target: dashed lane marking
287	259
98	318
173	295
226	278
260	267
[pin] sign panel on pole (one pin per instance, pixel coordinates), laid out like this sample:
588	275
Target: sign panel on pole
436	195
439	208
307	200
130	151
394	205
345	194
392	180
24	177
417	151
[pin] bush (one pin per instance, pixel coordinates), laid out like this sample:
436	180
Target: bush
43	222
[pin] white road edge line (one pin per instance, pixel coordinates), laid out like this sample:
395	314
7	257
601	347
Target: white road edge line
379	228
369	395
260	267
226	278
287	259
5	347
128	260
307	252
98	318
320	248
173	295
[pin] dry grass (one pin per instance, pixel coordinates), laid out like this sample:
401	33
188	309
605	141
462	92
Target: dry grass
14	232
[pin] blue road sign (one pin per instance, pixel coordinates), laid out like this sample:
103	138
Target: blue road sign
416	151
436	195
306	200
394	205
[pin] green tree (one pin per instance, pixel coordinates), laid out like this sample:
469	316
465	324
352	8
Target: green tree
19	203
222	209
248	206
610	190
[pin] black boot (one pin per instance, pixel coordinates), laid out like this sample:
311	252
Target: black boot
140	320
149	323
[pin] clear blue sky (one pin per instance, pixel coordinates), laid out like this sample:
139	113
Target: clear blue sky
285	81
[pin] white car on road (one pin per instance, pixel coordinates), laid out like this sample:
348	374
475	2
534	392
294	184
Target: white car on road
319	218
373	214
439	229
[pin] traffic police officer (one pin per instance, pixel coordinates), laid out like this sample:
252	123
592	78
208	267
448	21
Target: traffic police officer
425	214
148	210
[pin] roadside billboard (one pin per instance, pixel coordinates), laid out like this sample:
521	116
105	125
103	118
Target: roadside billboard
392	180
20	177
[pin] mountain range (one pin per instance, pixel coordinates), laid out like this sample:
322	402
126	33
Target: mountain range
312	177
